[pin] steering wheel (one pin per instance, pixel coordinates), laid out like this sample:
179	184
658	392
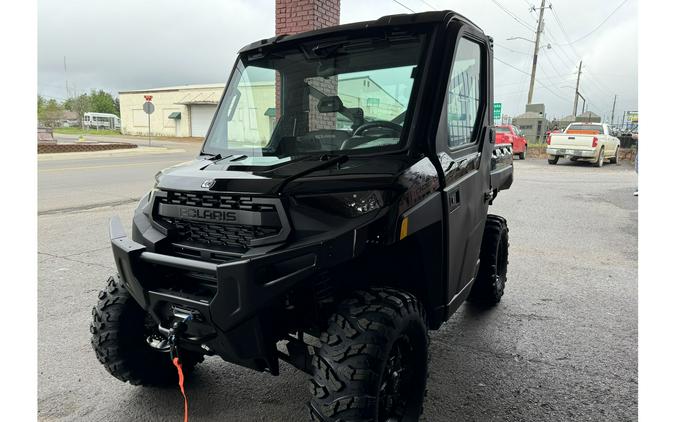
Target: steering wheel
378	123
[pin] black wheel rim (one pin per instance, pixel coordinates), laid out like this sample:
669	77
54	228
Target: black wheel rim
397	382
500	274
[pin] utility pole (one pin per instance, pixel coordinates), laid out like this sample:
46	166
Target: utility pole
540	26
576	92
613	108
65	70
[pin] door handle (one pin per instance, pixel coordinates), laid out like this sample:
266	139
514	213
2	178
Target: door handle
453	201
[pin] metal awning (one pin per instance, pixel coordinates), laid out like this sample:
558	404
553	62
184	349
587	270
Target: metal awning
175	115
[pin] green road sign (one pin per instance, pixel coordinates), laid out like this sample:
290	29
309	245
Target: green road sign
497	111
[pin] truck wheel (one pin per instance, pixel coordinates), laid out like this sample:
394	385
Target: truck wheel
372	363
523	154
120	330
615	159
488	287
553	160
601	158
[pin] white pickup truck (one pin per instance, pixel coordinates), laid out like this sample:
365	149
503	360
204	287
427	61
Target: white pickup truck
583	141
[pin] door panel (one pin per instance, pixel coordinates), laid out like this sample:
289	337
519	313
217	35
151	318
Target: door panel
464	144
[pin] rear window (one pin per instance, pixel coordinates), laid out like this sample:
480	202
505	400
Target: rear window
503	130
594	128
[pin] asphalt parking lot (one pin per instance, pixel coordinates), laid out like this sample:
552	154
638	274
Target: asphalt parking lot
562	345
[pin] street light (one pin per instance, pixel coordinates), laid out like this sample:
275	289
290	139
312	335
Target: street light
547	46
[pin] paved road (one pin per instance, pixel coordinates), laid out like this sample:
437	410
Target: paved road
80	180
562	345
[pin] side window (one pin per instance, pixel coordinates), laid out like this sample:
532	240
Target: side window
463	95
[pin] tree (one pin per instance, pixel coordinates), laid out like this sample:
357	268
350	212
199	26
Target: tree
96	101
103	102
80	105
49	112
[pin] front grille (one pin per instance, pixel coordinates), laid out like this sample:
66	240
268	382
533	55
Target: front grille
215	200
233	237
221	235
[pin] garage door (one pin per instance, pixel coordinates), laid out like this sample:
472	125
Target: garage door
200	118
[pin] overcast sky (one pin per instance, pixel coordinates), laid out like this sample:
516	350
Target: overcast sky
132	44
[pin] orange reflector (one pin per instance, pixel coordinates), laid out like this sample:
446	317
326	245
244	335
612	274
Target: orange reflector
404	228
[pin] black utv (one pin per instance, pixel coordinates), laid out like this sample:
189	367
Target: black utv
337	212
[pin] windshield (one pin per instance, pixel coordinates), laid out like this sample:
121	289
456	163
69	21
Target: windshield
325	97
501	129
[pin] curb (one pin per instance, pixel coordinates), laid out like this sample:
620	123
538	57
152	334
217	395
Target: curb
109	153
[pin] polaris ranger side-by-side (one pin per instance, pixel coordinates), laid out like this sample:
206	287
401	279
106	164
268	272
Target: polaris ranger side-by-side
336	213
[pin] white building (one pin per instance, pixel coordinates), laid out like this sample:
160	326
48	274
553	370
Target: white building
187	111
182	111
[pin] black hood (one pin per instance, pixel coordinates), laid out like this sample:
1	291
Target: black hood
264	175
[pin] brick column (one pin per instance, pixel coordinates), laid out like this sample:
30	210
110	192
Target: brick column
293	16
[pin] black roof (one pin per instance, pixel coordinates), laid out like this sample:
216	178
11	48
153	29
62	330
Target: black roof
435	17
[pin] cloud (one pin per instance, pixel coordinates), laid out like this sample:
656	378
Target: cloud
141	44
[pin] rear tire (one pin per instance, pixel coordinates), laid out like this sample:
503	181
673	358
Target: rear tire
373	361
523	154
601	158
553	160
488	288
615	159
120	328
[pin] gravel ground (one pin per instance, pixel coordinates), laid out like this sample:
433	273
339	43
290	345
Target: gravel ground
562	345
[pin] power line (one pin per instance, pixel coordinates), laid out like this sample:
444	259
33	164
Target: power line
513	16
403	5
564	31
512	50
596	81
427	3
536	80
601	23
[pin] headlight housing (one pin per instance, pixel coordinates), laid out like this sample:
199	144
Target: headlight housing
347	204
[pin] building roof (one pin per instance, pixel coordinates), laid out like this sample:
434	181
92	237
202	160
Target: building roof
589	114
175	88
529	115
569	118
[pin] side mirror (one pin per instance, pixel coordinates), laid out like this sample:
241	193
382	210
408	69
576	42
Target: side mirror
330	104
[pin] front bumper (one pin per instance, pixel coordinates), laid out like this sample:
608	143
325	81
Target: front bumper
571	152
231	321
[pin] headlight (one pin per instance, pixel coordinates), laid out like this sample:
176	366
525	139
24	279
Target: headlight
347	204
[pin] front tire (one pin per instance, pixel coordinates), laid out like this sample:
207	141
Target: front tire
372	363
120	328
523	154
488	288
554	160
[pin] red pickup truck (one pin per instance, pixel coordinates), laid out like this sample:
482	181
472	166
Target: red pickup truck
509	134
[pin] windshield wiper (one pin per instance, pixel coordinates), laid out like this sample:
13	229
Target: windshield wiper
326	162
211	156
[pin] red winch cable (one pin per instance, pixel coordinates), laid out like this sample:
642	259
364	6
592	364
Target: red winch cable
181	378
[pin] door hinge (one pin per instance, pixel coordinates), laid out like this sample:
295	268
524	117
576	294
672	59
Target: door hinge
488	196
